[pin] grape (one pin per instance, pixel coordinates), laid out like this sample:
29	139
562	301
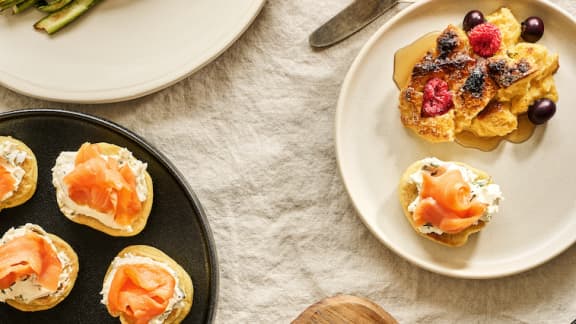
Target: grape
541	111
532	29
472	19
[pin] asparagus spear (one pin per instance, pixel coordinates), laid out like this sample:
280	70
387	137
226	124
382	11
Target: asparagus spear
61	18
52	6
5	4
16	9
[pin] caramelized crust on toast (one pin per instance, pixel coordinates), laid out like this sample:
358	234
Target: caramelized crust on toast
449	61
473	96
506	71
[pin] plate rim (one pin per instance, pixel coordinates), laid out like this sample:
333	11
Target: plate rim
137	89
345	89
165	162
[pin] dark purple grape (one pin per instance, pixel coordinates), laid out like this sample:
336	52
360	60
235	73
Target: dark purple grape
541	111
532	29
472	19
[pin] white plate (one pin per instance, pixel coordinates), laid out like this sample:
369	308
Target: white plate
537	221
121	49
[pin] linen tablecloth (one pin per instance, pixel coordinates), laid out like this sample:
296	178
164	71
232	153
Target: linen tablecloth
253	133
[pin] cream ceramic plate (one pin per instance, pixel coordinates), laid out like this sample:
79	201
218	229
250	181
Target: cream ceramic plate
122	49
537	220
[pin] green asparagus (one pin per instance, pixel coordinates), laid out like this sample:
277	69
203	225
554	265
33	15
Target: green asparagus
61	12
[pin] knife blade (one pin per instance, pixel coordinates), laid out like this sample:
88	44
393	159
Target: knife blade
350	20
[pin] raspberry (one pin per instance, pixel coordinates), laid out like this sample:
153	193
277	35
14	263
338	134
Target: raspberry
437	98
485	39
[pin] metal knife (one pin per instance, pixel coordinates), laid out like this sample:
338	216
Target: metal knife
350	20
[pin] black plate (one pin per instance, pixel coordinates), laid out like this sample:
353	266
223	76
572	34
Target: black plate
177	224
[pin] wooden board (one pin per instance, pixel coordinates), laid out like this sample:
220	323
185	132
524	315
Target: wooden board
344	309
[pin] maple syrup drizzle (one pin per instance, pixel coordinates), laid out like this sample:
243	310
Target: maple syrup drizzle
404	61
406	57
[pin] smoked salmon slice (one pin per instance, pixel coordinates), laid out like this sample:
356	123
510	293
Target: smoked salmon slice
87	152
26	255
140	291
7	182
102	185
446	202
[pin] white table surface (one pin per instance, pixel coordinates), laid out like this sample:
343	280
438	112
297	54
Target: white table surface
253	132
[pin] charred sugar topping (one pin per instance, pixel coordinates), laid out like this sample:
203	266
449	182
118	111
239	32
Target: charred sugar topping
459	61
409	92
447	42
475	82
429	64
450	55
523	66
506	74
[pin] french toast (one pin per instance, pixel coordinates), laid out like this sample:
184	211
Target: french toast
511	79
449	61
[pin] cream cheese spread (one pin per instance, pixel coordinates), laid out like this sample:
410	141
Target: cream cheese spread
28	289
12	159
484	192
65	164
175	301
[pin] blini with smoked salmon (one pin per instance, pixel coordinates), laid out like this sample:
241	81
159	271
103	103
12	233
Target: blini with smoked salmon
185	282
408	191
27	186
66	279
140	219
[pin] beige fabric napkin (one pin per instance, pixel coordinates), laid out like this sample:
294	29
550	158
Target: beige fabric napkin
253	133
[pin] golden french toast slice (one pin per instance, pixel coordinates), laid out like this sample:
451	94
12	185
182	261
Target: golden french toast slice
476	92
538	84
434	129
450	62
506	71
523	75
480	81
